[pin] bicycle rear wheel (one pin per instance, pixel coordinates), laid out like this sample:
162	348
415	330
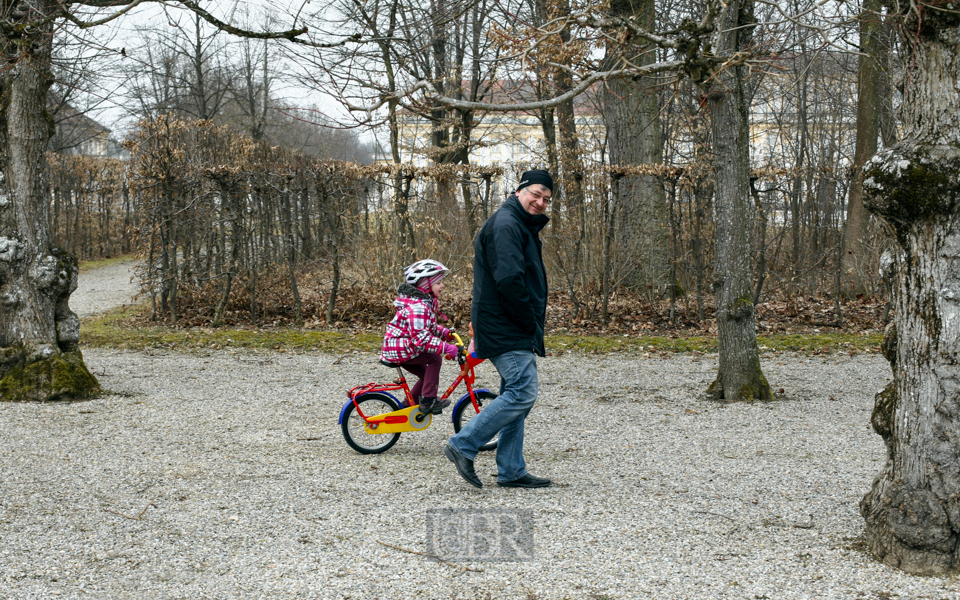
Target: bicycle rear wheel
466	411
371	404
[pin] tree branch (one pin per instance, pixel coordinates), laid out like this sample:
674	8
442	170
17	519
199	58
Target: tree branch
87	24
661	67
291	35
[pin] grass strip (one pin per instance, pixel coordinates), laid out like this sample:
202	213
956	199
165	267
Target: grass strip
117	330
819	343
92	265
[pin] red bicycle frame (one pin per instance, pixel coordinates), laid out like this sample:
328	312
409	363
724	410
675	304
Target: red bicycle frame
466	376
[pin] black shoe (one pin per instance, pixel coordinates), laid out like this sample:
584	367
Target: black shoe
464	466
527	481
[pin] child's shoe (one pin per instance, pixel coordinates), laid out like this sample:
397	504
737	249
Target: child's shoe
430	404
427	403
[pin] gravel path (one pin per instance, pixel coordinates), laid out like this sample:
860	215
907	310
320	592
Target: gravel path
101	289
226	476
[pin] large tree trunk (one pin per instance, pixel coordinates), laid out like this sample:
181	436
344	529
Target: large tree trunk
39	356
631	114
912	512
853	261
739	377
567	216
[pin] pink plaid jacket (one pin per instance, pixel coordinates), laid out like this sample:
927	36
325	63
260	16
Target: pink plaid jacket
413	330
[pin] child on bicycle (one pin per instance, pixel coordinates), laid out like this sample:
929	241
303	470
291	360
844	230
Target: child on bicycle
413	339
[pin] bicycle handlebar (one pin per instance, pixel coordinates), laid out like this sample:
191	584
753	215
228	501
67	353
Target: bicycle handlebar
462	354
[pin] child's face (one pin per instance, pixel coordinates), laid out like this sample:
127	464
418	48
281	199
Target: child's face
437	288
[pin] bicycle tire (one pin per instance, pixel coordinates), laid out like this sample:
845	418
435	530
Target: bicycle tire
465	411
371	404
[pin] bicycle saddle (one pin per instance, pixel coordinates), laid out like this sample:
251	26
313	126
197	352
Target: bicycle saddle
389	364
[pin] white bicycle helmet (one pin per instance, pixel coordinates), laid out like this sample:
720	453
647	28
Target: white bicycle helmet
421	269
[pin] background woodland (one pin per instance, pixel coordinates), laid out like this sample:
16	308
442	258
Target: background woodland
247	211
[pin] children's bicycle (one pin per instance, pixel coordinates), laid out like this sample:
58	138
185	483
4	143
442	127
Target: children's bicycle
373	418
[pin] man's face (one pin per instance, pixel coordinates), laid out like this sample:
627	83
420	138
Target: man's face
534	198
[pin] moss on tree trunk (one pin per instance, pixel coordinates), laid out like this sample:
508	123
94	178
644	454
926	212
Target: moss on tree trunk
56	376
739	377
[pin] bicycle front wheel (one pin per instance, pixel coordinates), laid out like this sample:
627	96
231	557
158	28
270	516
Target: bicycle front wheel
371	405
466	411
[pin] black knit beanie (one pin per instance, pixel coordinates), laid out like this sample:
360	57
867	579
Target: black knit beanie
535	176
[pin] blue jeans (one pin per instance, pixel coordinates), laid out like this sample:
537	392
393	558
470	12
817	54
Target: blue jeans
505	414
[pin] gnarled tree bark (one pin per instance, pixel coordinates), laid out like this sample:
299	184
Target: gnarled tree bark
912	512
39	356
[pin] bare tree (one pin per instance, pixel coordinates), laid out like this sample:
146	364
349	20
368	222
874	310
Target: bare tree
445	43
739	376
302	130
152	82
631	113
179	70
204	78
382	21
79	90
872	72
252	85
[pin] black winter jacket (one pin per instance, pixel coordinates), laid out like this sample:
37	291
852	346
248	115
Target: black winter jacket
509	282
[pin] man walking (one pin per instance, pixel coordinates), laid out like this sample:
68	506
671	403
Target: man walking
508	313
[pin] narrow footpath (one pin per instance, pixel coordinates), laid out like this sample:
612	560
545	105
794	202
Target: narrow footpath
105	288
